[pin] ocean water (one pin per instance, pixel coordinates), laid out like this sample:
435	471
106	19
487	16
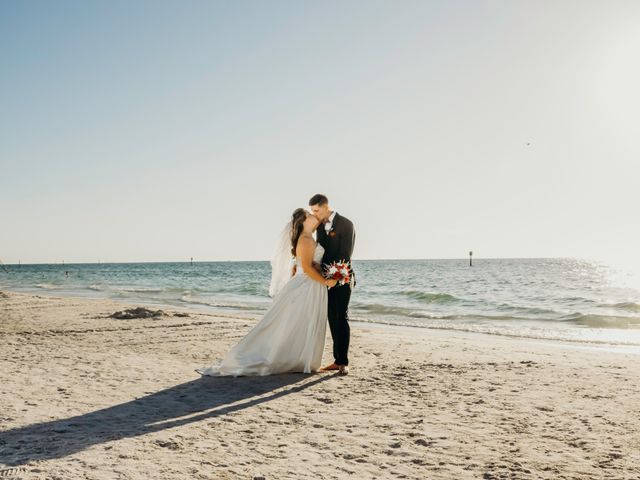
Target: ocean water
553	299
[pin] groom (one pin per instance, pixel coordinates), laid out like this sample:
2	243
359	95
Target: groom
337	236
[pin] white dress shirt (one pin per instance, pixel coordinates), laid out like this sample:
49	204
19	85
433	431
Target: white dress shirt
329	224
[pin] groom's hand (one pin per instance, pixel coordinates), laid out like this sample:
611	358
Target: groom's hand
332	283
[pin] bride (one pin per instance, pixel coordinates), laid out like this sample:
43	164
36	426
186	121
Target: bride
290	336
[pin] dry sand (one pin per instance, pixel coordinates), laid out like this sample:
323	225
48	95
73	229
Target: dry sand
85	396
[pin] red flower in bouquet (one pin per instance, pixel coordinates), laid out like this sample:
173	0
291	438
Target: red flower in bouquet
340	271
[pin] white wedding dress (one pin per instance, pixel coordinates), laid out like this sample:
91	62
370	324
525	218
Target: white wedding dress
289	337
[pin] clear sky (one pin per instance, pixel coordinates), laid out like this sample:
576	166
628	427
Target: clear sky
162	130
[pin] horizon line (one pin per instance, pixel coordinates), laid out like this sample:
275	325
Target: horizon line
63	263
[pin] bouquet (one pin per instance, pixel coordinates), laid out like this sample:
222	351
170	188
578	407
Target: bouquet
340	271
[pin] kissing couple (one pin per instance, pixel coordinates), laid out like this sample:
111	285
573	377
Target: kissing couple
290	336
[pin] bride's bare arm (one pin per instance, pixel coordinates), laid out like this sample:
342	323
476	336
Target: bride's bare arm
305	249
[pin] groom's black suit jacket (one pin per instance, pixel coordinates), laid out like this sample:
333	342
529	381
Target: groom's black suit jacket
338	243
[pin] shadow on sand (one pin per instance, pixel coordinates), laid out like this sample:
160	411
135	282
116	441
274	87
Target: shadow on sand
189	402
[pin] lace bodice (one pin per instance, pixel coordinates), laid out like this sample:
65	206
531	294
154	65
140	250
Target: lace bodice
318	253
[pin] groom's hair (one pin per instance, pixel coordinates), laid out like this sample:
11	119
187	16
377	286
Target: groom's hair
318	199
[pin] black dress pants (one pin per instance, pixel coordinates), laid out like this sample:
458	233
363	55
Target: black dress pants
338	312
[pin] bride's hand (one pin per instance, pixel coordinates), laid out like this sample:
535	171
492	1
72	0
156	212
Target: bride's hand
332	282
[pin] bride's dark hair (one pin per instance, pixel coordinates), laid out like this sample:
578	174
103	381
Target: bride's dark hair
297	221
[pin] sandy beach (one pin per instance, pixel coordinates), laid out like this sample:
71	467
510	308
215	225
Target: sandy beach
87	396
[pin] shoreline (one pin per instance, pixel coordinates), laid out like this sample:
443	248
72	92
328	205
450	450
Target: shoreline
85	395
480	336
229	313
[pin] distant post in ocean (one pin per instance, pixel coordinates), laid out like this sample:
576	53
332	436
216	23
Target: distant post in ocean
470	255
191	260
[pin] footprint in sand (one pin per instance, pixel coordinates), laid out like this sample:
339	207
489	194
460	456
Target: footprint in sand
170	444
324	399
423	442
12	473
